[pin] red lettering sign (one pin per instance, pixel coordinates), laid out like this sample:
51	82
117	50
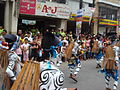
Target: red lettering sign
45	9
52	10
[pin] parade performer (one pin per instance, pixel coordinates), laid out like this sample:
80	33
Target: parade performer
14	66
54	48
110	65
51	77
74	63
99	58
98	54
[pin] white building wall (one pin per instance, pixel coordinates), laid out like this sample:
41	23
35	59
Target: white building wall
74	5
6	17
14	20
10	20
85	5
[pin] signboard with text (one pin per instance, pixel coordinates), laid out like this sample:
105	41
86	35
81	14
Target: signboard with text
51	9
27	7
29	22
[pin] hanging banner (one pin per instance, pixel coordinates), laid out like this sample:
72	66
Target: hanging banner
27	7
51	9
108	22
73	16
79	21
86	17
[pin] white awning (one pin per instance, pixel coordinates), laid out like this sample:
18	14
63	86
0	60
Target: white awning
110	3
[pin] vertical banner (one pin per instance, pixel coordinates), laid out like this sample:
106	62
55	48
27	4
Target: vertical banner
27	7
79	21
88	11
118	31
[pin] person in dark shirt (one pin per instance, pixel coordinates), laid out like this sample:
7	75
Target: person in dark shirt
34	49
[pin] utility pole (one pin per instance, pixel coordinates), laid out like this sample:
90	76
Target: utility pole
81	4
93	3
91	24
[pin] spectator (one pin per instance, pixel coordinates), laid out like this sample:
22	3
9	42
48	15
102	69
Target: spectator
4	32
1	30
25	48
34	49
29	36
22	38
62	33
19	51
19	33
65	41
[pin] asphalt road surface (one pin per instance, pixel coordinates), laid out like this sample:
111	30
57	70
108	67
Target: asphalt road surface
88	77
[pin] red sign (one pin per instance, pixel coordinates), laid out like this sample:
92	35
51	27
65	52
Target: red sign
27	7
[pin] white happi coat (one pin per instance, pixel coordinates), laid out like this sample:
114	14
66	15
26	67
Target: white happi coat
13	61
51	77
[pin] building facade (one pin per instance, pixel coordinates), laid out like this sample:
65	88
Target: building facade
8	16
55	14
47	14
44	14
106	14
81	19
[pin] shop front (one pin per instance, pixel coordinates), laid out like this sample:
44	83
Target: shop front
107	26
26	23
47	15
84	20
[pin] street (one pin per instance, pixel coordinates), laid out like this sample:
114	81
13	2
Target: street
88	77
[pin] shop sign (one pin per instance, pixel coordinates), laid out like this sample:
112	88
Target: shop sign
27	7
29	22
51	9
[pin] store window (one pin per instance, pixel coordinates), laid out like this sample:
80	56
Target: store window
102	12
108	13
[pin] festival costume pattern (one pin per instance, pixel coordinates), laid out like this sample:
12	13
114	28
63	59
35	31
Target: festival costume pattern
51	77
110	66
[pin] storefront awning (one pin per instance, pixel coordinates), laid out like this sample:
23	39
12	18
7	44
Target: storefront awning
110	3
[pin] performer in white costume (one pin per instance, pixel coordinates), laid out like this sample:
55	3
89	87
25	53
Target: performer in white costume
51	78
14	66
110	66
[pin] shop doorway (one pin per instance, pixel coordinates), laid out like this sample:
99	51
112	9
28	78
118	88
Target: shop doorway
86	29
40	23
71	26
2	9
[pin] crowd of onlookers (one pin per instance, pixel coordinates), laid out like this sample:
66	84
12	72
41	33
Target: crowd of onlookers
30	46
84	43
